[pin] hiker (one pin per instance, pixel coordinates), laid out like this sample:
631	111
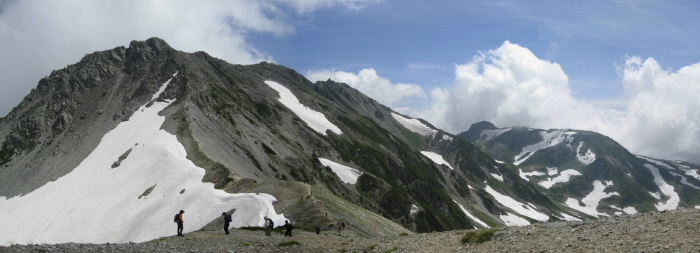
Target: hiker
266	225
227	220
289	228
178	219
269	225
318	230
339	227
343	223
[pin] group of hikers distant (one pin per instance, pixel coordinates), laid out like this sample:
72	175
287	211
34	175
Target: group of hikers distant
267	227
341	225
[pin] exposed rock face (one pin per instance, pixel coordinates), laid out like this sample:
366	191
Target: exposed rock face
54	128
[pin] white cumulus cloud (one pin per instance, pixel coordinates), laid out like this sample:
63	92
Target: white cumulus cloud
510	86
368	82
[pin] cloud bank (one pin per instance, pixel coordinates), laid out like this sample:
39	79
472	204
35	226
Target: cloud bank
510	86
40	36
368	82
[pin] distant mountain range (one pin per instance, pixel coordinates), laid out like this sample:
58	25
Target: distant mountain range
142	132
588	171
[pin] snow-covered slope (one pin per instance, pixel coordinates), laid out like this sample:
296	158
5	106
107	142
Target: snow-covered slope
414	125
437	158
549	139
316	120
134	201
591	201
563	163
346	174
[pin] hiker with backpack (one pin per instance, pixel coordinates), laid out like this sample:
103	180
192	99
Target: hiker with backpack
179	221
289	227
227	220
269	225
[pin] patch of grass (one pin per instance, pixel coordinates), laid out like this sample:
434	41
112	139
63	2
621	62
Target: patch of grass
343	250
403	234
245	244
371	247
268	150
392	249
5	155
478	236
345	243
288	243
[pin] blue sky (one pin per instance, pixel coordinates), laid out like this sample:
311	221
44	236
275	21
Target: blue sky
627	69
420	42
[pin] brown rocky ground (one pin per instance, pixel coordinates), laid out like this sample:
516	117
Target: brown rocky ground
674	231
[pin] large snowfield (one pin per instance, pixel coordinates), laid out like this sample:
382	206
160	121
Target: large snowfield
96	203
316	120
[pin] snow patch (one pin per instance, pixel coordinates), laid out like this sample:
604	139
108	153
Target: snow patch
346	174
446	138
83	204
436	158
629	210
659	163
474	218
562	178
414	209
316	120
552	171
656	195
497	177
692	173
516	206
491	133
549	139
666	189
567	217
685	180
525	175
513	220
587	158
590	202
414	125
499	161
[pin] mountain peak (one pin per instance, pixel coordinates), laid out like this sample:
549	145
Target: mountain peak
153	43
474	132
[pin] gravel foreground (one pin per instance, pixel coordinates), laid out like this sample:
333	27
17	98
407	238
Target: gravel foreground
672	231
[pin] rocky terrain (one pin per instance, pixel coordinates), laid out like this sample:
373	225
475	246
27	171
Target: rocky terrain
671	231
